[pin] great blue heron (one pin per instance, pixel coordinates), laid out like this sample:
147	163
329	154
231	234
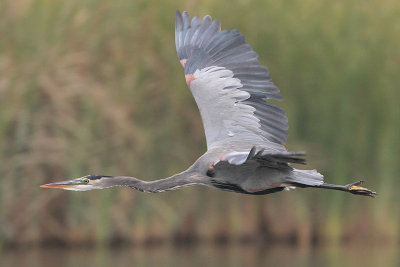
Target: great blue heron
245	134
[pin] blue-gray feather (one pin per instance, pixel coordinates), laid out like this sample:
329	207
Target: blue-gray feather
203	44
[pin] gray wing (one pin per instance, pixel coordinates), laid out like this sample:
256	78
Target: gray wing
229	85
274	160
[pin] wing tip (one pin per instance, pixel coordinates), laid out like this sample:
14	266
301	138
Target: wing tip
178	20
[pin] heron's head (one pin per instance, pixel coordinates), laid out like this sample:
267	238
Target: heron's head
85	183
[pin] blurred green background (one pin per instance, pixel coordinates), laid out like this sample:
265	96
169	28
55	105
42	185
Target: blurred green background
95	87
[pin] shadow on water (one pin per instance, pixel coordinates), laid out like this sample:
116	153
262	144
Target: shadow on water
234	255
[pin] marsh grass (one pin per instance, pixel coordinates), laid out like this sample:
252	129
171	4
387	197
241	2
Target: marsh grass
95	87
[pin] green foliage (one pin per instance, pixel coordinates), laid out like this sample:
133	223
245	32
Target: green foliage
95	87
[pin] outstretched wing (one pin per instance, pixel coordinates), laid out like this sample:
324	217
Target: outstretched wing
229	85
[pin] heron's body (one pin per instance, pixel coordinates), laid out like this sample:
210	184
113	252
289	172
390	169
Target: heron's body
245	133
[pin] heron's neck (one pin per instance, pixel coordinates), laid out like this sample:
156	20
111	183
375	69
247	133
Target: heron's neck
174	182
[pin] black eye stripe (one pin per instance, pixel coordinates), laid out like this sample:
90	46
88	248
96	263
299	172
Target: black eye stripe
95	176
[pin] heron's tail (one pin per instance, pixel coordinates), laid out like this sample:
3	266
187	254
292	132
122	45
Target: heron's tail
306	177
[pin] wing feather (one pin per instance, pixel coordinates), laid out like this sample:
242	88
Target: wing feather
230	86
276	160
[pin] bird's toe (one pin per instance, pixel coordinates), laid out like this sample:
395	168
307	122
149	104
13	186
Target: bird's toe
354	188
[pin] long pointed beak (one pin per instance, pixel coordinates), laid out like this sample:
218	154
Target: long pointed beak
62	185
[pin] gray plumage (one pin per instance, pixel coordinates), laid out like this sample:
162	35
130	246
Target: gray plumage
245	133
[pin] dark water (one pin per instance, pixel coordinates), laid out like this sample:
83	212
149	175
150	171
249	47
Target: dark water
363	255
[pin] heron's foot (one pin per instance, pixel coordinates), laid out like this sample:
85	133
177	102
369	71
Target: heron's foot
354	188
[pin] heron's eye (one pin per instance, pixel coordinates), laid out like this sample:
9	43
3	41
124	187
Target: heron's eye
86	181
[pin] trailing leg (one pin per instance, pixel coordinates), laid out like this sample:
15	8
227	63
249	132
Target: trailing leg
353	188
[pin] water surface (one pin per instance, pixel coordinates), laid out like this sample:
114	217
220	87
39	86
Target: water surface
203	255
